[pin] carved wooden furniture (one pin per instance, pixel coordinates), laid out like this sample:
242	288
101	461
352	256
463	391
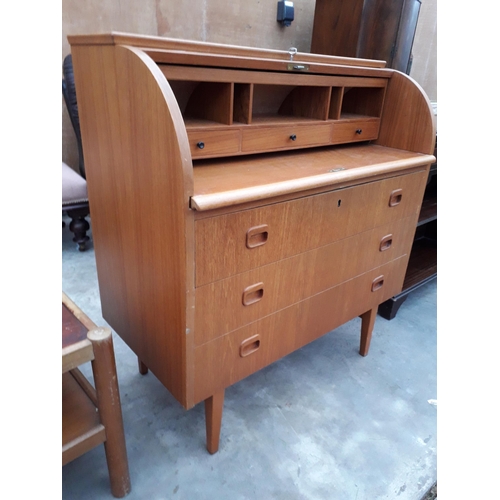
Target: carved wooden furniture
75	203
245	201
91	416
74	186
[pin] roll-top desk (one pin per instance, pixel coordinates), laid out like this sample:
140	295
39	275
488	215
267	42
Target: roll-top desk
244	201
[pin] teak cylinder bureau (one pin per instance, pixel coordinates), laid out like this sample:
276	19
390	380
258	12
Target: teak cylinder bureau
244	201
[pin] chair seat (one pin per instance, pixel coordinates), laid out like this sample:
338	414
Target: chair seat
74	186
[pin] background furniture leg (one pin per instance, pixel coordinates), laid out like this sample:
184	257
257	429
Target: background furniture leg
108	399
367	323
143	369
213	420
79	226
390	308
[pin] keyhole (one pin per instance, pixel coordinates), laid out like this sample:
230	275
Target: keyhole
339	202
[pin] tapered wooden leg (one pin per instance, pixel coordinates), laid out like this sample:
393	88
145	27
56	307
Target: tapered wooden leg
143	369
367	323
110	412
213	420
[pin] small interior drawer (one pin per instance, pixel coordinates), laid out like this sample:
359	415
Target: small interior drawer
284	137
208	143
354	131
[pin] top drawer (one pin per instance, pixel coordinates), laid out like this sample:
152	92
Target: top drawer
233	243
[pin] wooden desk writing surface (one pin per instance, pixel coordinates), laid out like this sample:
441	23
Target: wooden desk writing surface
283	194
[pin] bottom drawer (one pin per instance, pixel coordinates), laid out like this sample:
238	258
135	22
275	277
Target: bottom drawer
228	359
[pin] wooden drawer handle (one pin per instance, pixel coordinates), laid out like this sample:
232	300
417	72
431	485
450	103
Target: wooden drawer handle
249	346
385	243
257	236
377	283
253	293
396	197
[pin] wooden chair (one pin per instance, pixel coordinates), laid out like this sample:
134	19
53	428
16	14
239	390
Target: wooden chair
74	186
91	415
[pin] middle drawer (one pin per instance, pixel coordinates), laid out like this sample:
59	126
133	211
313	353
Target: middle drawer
228	304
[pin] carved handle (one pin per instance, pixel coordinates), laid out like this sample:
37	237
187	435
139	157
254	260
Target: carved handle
385	243
249	346
395	197
377	283
257	236
252	294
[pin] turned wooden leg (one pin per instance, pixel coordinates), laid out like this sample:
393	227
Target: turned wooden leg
79	226
143	369
367	322
213	420
110	412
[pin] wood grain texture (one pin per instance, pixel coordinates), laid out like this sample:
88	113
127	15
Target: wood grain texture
274	138
226	183
412	125
220	308
110	411
367	324
207	143
213	420
151	43
206	74
291	328
300	225
211	101
284	246
82	429
355	130
307	102
138	163
336	27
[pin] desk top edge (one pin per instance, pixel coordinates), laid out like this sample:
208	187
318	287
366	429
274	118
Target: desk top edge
157	42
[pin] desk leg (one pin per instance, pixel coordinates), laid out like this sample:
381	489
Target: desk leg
213	420
143	369
367	323
108	402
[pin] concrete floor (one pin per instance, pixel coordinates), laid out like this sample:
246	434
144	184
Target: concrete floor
323	423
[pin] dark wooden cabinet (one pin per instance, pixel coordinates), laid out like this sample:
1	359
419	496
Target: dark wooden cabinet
370	29
422	265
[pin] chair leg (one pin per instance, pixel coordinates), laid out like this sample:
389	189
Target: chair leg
108	401
79	226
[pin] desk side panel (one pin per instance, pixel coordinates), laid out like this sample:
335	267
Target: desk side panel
139	176
407	119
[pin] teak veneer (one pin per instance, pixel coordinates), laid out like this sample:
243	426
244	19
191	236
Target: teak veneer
244	202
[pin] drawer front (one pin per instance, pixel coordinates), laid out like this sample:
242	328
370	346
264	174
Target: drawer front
362	130
228	359
204	144
233	302
237	242
287	137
